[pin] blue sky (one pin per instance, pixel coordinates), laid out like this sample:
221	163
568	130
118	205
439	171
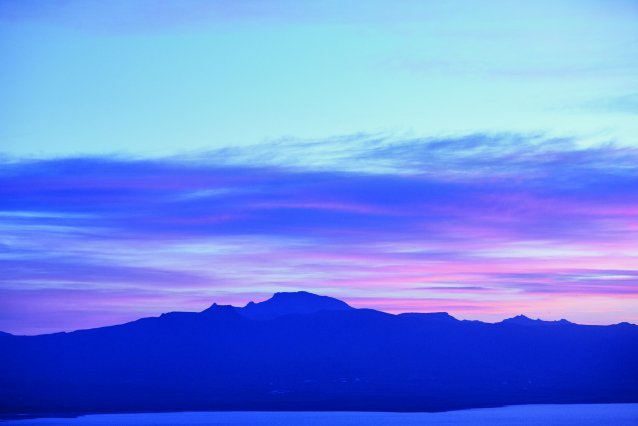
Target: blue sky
475	157
152	78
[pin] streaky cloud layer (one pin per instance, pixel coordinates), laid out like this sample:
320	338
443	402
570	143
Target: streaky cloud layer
482	226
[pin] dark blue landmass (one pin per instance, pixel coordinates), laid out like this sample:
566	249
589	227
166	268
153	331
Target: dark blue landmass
299	351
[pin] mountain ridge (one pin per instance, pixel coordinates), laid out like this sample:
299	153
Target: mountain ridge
526	321
330	359
303	302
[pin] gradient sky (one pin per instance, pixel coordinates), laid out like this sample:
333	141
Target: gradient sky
474	157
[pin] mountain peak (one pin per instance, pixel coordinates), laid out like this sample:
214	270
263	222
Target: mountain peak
220	310
299	302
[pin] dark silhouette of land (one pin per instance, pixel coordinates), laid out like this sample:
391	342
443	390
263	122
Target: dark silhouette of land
299	351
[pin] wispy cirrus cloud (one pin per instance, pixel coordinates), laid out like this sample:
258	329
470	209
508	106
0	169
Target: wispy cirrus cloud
625	104
479	220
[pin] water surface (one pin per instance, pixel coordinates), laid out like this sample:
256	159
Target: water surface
520	415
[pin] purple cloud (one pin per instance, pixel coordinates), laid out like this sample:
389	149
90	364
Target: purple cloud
492	219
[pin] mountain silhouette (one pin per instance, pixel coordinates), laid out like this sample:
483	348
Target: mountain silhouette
430	316
523	320
299	351
300	302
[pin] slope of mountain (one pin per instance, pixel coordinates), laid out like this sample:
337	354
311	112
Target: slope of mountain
343	359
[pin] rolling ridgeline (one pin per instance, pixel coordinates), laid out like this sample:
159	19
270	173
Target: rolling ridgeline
300	351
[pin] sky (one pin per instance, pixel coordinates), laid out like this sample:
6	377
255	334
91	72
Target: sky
474	157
